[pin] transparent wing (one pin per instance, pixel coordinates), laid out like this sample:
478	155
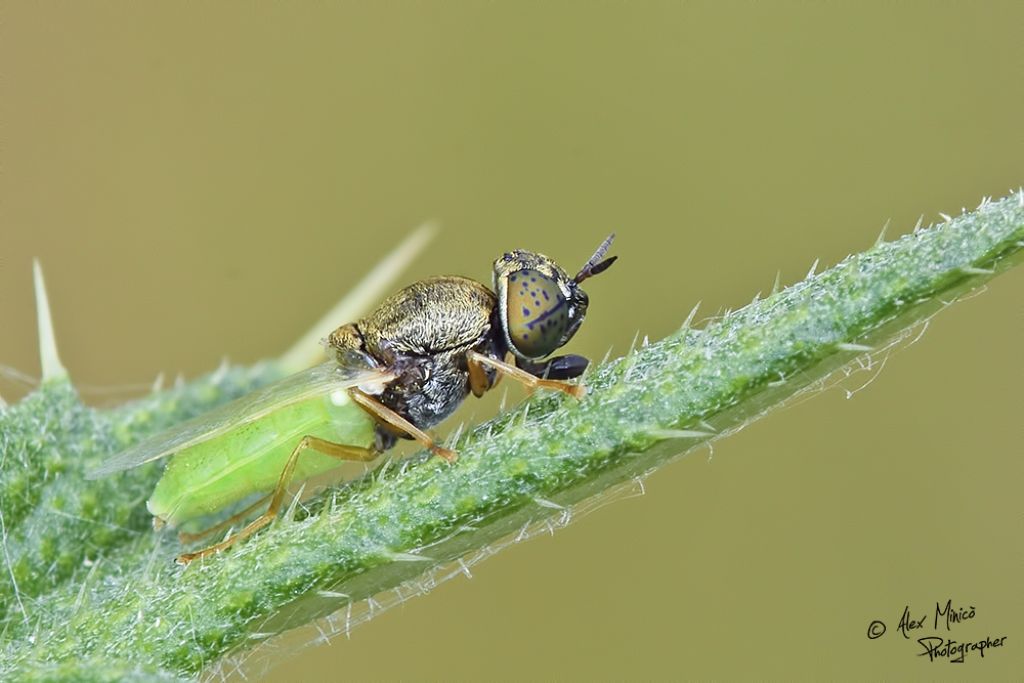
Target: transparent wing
318	380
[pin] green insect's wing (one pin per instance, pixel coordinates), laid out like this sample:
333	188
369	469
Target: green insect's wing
318	380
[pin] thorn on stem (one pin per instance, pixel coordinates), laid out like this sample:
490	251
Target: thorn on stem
693	314
881	235
373	287
52	368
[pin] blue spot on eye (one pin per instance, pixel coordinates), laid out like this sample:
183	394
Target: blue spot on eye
533	279
545	293
526	311
512	278
526	336
536	303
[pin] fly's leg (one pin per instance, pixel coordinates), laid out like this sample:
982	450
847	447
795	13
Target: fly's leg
381	411
185	537
479	382
335	450
559	367
532	382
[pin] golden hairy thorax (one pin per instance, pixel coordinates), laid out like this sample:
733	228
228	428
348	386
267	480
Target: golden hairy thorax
430	316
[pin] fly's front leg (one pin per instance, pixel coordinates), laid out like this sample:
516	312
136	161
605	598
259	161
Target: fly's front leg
479	381
478	359
382	412
559	367
335	450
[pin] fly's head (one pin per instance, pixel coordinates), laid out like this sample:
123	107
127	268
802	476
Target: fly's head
540	306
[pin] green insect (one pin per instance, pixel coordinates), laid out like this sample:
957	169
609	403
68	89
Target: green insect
401	369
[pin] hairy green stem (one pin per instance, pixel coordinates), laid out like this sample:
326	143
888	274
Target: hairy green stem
56	526
124	604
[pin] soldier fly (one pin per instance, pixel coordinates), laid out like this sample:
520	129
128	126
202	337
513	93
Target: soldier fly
397	372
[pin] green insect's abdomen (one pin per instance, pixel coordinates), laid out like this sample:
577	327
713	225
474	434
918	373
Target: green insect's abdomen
214	474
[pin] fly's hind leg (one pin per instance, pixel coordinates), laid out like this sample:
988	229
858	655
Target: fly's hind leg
476	359
335	450
385	414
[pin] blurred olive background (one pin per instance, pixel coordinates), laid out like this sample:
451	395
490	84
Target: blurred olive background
204	180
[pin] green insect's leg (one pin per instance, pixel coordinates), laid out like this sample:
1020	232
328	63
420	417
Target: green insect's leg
574	390
335	450
186	537
382	412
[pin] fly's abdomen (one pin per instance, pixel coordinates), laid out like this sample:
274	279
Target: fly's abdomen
209	476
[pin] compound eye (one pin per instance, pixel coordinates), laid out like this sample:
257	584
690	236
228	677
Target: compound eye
536	313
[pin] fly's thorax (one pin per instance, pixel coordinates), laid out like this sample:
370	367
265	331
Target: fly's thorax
429	388
430	316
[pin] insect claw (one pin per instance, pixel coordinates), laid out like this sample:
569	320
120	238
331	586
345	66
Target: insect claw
446	453
185	559
577	391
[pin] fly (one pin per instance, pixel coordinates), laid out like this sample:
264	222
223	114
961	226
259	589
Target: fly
395	373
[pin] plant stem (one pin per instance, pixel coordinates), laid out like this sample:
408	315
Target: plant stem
388	529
